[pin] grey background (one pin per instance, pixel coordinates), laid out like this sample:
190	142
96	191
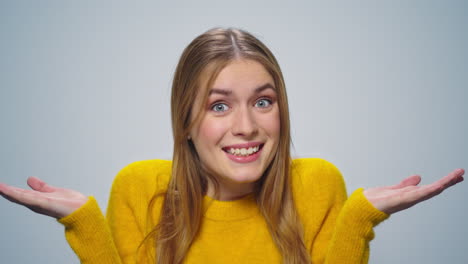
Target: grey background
376	87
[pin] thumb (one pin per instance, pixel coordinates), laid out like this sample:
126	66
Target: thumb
410	181
39	185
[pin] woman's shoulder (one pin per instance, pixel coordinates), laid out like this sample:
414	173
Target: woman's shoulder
317	186
316	174
317	166
145	174
149	165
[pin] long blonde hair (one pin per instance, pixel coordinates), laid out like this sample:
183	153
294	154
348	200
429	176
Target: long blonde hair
182	210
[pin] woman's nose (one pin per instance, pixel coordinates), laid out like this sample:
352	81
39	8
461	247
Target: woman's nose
244	123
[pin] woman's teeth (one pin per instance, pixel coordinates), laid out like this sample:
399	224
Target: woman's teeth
243	151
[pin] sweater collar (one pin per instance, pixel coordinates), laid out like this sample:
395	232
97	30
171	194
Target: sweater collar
243	208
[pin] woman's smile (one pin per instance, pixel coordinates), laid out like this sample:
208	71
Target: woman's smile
244	153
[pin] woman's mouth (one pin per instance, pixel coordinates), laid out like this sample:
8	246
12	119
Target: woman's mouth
244	152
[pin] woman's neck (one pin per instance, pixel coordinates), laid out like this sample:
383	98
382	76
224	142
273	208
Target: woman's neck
230	192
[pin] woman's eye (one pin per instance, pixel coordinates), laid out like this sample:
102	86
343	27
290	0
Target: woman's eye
263	103
220	107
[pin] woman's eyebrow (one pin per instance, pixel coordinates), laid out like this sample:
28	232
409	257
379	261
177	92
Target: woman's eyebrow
220	91
227	92
264	87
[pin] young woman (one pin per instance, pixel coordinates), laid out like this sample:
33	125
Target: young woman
231	194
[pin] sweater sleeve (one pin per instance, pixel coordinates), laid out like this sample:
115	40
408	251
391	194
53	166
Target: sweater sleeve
127	210
351	222
337	229
354	230
89	236
97	240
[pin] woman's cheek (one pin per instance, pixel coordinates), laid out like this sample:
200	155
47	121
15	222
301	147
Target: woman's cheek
213	129
271	123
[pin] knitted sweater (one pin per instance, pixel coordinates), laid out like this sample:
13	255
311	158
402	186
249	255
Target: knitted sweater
336	229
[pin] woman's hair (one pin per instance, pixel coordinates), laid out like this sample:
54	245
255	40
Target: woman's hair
182	209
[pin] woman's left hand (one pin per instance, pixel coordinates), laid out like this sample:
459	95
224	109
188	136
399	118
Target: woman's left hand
392	199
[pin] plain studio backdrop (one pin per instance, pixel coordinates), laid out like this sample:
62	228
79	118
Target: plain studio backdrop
379	88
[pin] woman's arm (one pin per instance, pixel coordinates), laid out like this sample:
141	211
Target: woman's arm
345	225
338	229
94	238
128	214
353	230
86	229
89	235
365	209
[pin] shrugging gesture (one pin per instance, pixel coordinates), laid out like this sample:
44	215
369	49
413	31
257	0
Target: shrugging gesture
392	199
44	199
59	202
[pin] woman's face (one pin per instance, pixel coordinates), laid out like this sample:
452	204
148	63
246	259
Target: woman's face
237	136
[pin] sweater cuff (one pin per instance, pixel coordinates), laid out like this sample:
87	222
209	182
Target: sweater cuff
88	234
82	216
360	211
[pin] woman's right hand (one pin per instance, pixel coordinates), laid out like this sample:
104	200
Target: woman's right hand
45	199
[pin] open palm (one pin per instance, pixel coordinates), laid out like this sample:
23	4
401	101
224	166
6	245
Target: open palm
391	199
44	199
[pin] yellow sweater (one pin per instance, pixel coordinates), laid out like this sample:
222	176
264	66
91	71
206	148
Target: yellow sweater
336	229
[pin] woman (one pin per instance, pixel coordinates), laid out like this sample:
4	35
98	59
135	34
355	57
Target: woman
231	193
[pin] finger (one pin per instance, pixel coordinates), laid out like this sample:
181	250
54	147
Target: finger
33	200
2	186
21	196
449	180
461	172
410	181
436	188
39	185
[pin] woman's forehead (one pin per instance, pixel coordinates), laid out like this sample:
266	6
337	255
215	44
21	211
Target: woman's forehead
239	76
